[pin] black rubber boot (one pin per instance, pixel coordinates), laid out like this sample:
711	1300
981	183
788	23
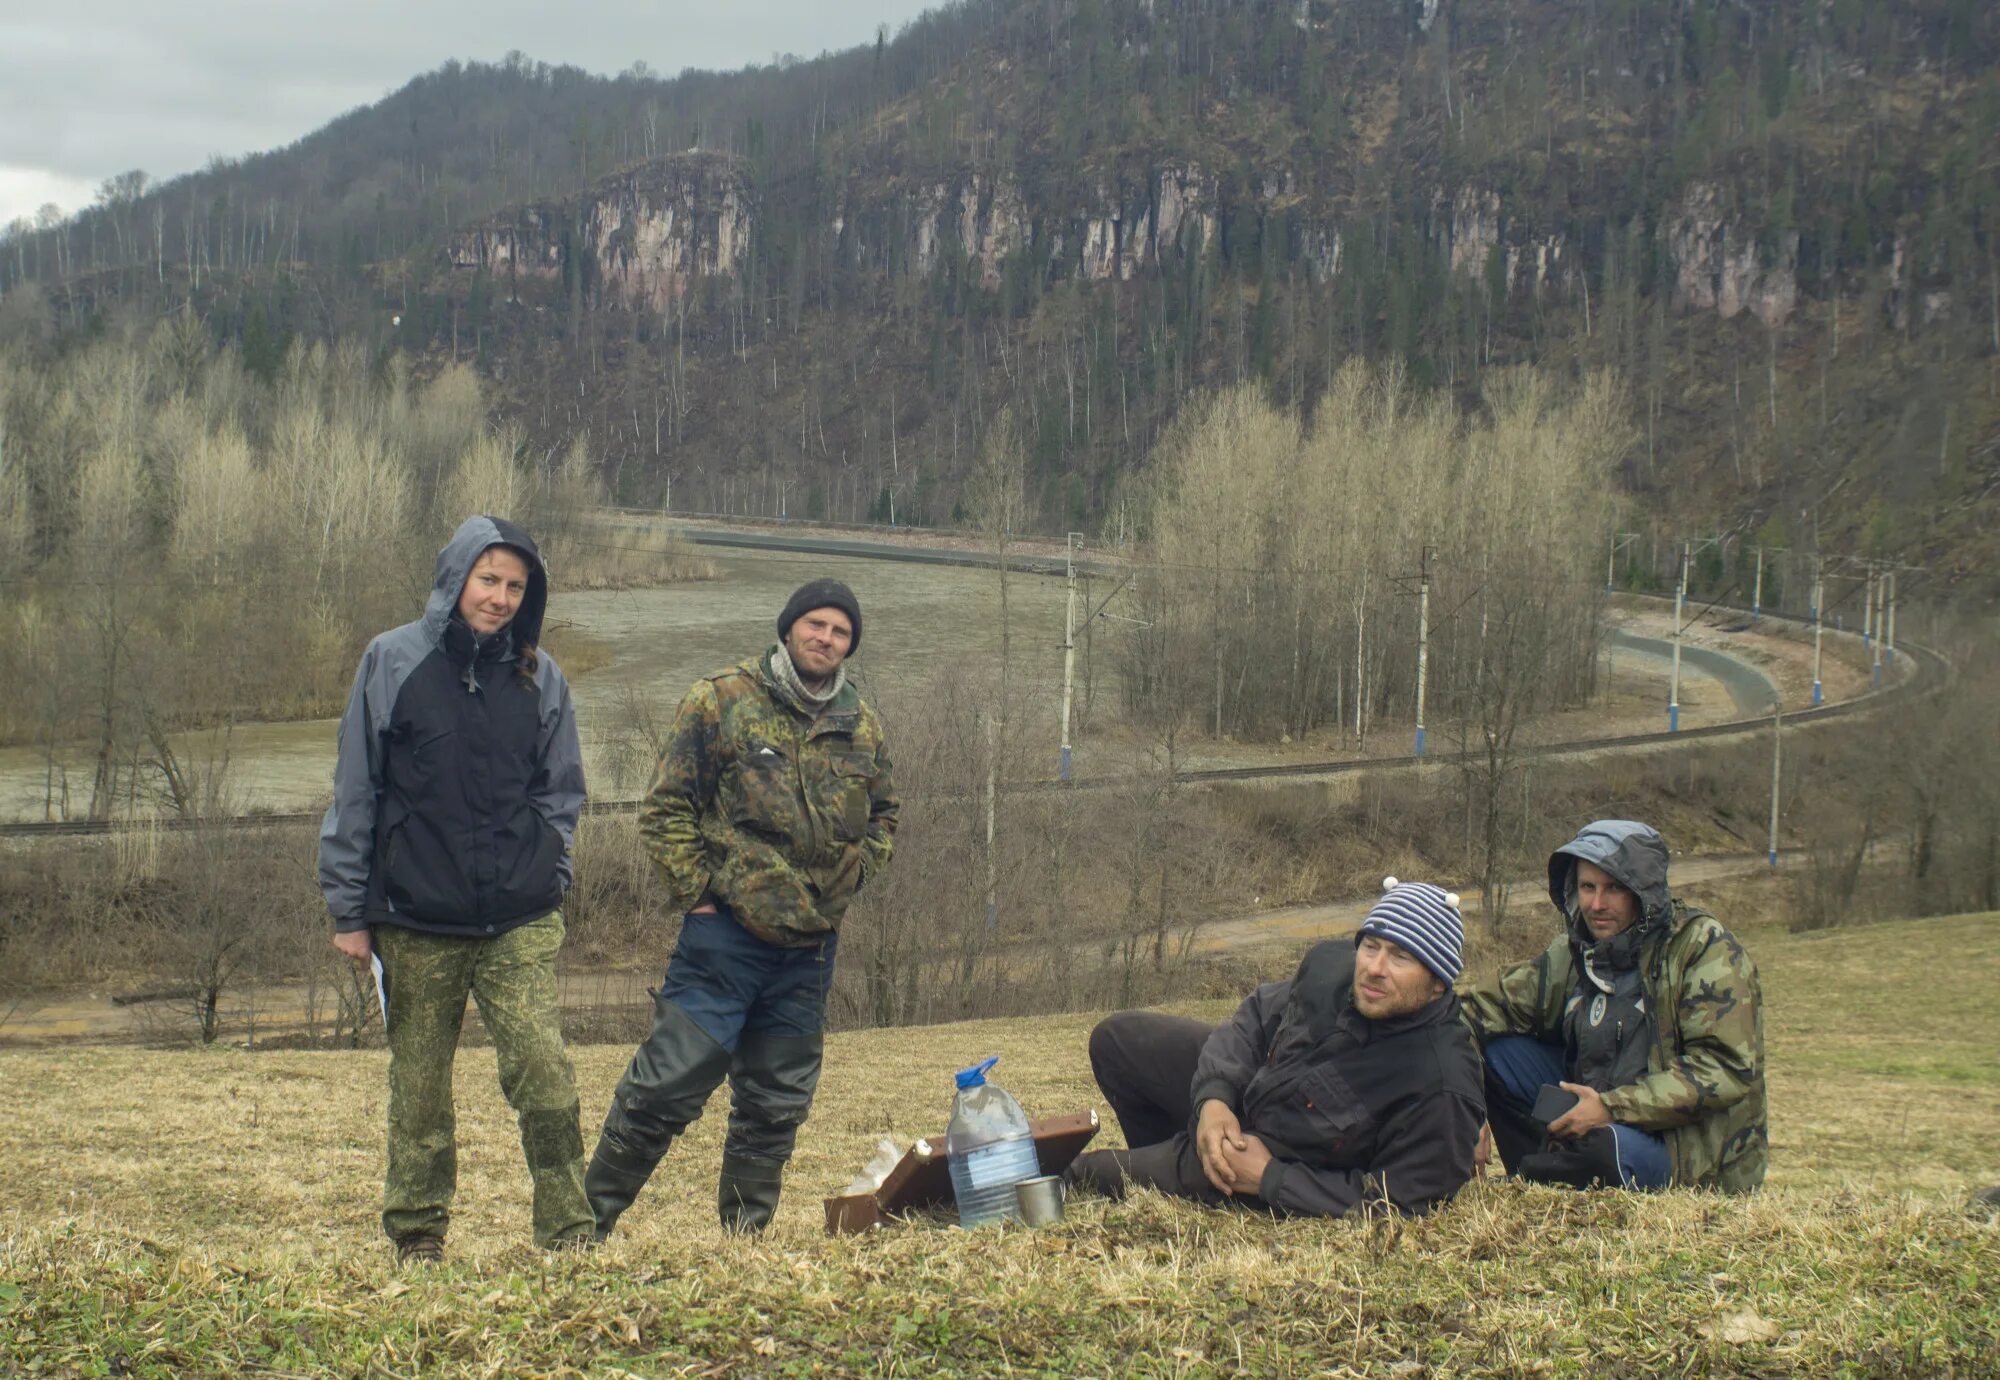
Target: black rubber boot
671	1075
771	1083
1589	1161
612	1181
746	1196
1098	1171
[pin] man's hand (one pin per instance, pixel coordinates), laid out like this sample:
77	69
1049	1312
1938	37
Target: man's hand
1216	1133
1247	1165
1482	1154
1588	1114
356	944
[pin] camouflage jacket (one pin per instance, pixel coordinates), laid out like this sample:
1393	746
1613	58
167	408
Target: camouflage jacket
1703	1091
775	812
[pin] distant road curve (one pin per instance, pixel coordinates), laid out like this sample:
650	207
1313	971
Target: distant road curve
1753	693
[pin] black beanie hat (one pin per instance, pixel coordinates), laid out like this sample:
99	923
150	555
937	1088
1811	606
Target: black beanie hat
822	594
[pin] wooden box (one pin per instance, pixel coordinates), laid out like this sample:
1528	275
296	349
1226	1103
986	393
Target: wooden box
921	1180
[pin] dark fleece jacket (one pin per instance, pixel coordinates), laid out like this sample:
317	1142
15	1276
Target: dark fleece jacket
1352	1109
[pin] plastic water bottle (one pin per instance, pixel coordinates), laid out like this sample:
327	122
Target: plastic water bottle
989	1147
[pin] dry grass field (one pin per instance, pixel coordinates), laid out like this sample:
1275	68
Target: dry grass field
213	1214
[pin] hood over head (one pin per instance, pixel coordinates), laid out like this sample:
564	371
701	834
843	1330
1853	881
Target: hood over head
1634	854
454	564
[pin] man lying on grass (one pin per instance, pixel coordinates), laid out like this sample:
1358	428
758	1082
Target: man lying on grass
1645	1014
1354	1082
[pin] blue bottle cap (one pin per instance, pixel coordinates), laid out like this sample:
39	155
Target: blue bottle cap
975	1077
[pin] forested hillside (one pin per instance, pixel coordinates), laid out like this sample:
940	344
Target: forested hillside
810	289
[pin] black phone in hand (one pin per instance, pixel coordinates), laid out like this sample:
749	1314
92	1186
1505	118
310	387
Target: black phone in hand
1551	1102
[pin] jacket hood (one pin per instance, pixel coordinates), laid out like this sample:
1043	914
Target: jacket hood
474	537
1634	854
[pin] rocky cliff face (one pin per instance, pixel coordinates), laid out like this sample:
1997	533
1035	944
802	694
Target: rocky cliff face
1479	228
1719	266
1719	263
1116	233
643	237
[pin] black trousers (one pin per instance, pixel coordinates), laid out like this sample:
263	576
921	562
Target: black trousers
1144	1064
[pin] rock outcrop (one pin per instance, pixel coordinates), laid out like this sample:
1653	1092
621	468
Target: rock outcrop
1720	262
641	238
1479	228
1719	265
1114	234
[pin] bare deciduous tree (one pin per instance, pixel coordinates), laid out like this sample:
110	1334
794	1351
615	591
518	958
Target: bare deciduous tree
1281	555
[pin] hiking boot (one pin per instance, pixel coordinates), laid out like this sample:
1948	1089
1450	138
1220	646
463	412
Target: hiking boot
420	1248
1589	1161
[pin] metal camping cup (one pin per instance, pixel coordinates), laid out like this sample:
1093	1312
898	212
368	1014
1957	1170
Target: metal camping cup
1040	1200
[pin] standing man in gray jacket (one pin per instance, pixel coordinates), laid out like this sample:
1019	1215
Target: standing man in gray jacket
446	853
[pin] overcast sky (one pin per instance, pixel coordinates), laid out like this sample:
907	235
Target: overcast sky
92	89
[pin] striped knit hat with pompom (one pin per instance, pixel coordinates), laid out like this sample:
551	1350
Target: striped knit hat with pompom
1423	919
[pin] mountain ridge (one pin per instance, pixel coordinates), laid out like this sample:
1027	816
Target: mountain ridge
1776	224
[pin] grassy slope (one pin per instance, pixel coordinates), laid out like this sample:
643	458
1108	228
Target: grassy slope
194	1214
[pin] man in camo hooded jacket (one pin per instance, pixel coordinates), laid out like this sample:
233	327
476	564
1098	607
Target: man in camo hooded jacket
1648	1011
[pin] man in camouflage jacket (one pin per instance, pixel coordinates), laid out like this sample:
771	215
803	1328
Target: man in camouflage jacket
772	807
1648	1011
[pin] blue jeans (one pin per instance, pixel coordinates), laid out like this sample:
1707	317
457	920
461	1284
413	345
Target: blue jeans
731	982
731	1006
1516	1068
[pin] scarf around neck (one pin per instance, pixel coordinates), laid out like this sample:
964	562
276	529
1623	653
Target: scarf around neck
787	676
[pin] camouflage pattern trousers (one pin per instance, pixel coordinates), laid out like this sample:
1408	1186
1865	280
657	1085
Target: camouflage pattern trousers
513	978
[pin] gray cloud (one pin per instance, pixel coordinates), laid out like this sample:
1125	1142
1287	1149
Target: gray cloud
93	90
